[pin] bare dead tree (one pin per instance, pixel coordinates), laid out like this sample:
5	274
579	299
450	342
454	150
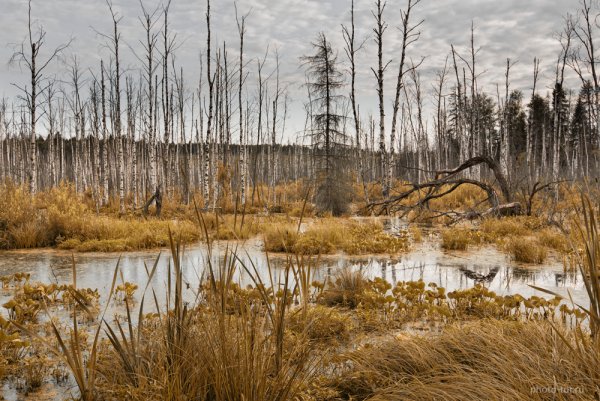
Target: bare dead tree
379	30
565	39
113	41
410	35
241	24
351	49
528	142
28	54
148	21
441	129
168	42
211	81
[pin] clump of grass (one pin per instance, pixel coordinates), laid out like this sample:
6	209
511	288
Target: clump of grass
416	233
331	235
369	237
280	237
553	239
527	250
33	371
326	324
499	228
105	234
457	239
329	232
479	360
313	244
346	289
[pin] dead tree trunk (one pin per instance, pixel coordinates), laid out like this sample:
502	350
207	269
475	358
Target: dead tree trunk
446	182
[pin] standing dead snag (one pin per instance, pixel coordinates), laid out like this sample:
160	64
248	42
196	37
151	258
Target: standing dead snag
446	182
351	50
379	30
148	21
112	41
31	59
410	34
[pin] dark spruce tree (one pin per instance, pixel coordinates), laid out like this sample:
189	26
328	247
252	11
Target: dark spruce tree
328	140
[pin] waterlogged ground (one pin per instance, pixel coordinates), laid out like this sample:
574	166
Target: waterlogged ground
427	261
449	269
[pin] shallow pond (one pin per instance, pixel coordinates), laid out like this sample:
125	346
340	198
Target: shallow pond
452	270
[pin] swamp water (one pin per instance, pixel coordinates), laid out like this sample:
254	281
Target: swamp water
451	270
427	262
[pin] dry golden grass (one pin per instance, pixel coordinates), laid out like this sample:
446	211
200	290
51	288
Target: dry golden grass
458	239
345	289
527	239
280	237
553	239
527	250
61	217
483	360
330	235
497	229
416	233
326	324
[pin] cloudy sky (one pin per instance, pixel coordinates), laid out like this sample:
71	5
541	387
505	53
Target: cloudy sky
515	29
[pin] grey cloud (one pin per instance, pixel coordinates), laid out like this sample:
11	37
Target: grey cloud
509	28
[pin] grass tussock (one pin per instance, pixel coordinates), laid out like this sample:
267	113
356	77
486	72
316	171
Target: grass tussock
458	239
481	360
528	239
326	324
527	250
495	229
553	239
416	233
330	235
346	289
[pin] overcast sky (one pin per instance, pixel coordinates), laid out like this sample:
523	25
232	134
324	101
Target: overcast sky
515	29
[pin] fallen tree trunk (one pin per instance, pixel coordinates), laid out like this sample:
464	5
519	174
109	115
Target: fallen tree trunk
448	181
157	199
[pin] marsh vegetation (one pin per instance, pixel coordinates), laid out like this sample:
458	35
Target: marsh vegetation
161	240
